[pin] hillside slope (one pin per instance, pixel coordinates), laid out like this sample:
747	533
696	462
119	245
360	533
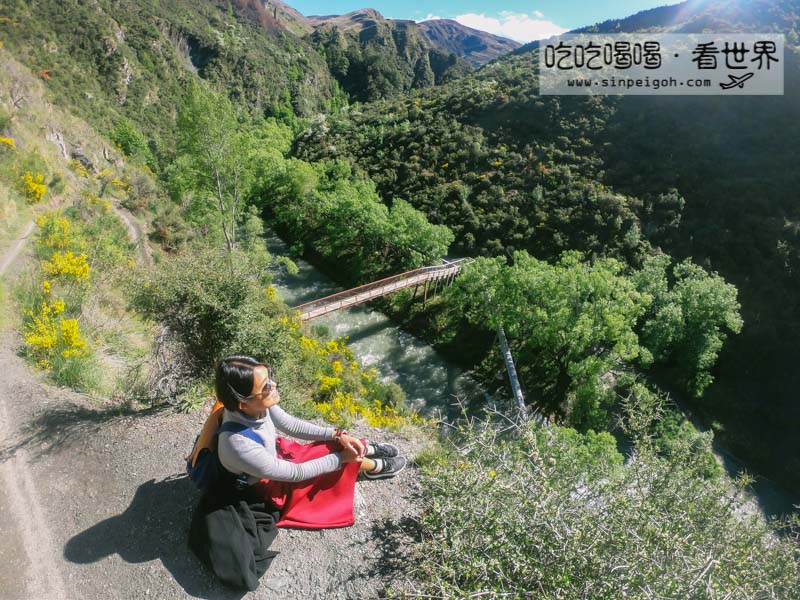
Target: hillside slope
137	60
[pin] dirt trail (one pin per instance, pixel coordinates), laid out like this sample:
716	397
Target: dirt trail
11	254
96	506
134	232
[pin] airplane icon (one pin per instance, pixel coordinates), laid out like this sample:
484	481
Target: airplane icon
736	81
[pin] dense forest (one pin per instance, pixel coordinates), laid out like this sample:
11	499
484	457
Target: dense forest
636	251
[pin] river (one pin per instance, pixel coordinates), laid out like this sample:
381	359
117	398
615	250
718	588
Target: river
431	383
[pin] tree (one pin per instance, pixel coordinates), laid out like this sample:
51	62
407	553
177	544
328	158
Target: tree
570	324
414	239
689	322
215	151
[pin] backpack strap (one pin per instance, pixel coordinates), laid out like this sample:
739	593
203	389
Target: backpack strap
233	427
208	436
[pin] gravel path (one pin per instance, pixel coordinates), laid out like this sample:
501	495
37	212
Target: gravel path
95	506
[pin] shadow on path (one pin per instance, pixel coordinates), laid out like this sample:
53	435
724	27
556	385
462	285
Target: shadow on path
394	564
58	427
154	526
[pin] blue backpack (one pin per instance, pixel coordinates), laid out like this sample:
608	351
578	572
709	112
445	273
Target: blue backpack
207	468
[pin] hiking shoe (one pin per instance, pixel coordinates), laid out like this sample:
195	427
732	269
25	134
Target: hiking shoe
389	467
385	450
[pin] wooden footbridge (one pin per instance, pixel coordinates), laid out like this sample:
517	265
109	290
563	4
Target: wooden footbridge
429	277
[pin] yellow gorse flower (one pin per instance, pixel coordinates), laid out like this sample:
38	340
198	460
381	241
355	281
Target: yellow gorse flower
78	167
56	231
342	409
33	187
67	265
72	342
6	141
46	334
329	383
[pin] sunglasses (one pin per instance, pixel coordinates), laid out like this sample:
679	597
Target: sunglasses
267	389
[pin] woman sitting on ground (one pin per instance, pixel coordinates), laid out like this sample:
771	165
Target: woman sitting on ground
313	484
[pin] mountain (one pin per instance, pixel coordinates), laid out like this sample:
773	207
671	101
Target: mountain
373	57
274	15
712	178
357	20
695	16
477	47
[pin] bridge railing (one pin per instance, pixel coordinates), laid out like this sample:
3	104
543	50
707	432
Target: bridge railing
423	274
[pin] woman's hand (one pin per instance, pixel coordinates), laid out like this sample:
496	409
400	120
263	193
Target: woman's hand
348	442
351	455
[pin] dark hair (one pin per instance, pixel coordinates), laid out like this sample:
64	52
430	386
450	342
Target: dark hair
233	380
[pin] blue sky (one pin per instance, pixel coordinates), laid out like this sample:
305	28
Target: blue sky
517	19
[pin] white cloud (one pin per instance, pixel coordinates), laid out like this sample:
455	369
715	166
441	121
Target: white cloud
430	17
516	26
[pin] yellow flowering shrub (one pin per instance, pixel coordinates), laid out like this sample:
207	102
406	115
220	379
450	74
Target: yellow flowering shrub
55	231
47	335
68	265
342	409
344	393
41	334
329	383
72	342
97	202
6	142
309	344
33	187
91	199
312	346
78	167
293	323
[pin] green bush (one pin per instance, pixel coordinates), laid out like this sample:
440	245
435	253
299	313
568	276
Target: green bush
133	143
215	302
519	511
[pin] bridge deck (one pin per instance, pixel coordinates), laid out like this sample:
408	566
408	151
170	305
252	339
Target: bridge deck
376	289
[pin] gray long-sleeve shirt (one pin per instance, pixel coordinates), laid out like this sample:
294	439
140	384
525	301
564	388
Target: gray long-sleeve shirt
240	454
